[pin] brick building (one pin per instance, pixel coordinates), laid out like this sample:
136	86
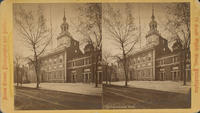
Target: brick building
67	63
156	61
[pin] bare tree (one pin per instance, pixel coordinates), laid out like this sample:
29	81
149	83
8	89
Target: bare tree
34	34
90	26
106	59
121	29
17	63
179	27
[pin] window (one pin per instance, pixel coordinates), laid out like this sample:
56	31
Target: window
60	60
76	51
90	61
157	62
81	62
161	62
164	49
87	61
99	58
148	58
143	59
70	64
49	61
176	59
54	61
84	61
166	61
170	60
138	60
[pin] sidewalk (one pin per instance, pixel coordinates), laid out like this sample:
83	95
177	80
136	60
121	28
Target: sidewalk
80	88
170	86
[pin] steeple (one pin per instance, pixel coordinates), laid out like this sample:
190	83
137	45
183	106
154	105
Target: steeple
140	38
64	25
152	17
153	23
64	18
153	34
65	38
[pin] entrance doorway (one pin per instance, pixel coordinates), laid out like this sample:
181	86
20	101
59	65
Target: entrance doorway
74	77
99	77
162	76
176	75
86	77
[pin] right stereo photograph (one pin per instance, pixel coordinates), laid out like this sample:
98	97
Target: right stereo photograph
146	55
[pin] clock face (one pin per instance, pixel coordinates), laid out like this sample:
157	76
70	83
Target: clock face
61	41
153	39
67	41
64	41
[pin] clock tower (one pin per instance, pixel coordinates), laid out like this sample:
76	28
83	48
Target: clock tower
64	38
153	35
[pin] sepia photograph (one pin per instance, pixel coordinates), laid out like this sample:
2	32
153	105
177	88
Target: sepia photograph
146	52
57	56
85	56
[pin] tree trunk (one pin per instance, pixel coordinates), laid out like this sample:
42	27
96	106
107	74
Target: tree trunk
184	66
26	76
125	72
36	67
22	76
126	80
96	69
36	72
124	65
96	83
106	74
110	76
17	76
37	76
96	66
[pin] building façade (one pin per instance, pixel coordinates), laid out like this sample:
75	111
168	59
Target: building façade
156	61
67	63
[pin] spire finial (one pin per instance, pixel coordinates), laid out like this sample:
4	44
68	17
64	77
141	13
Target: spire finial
64	18
153	23
64	12
153	17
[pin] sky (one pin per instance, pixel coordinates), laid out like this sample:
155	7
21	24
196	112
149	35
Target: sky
145	12
72	13
56	12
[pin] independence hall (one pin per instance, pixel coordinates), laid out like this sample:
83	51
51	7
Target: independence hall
156	61
67	63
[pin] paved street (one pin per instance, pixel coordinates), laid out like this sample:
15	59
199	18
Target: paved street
77	88
126	97
39	99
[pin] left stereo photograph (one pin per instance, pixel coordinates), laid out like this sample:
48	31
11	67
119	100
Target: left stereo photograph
57	56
